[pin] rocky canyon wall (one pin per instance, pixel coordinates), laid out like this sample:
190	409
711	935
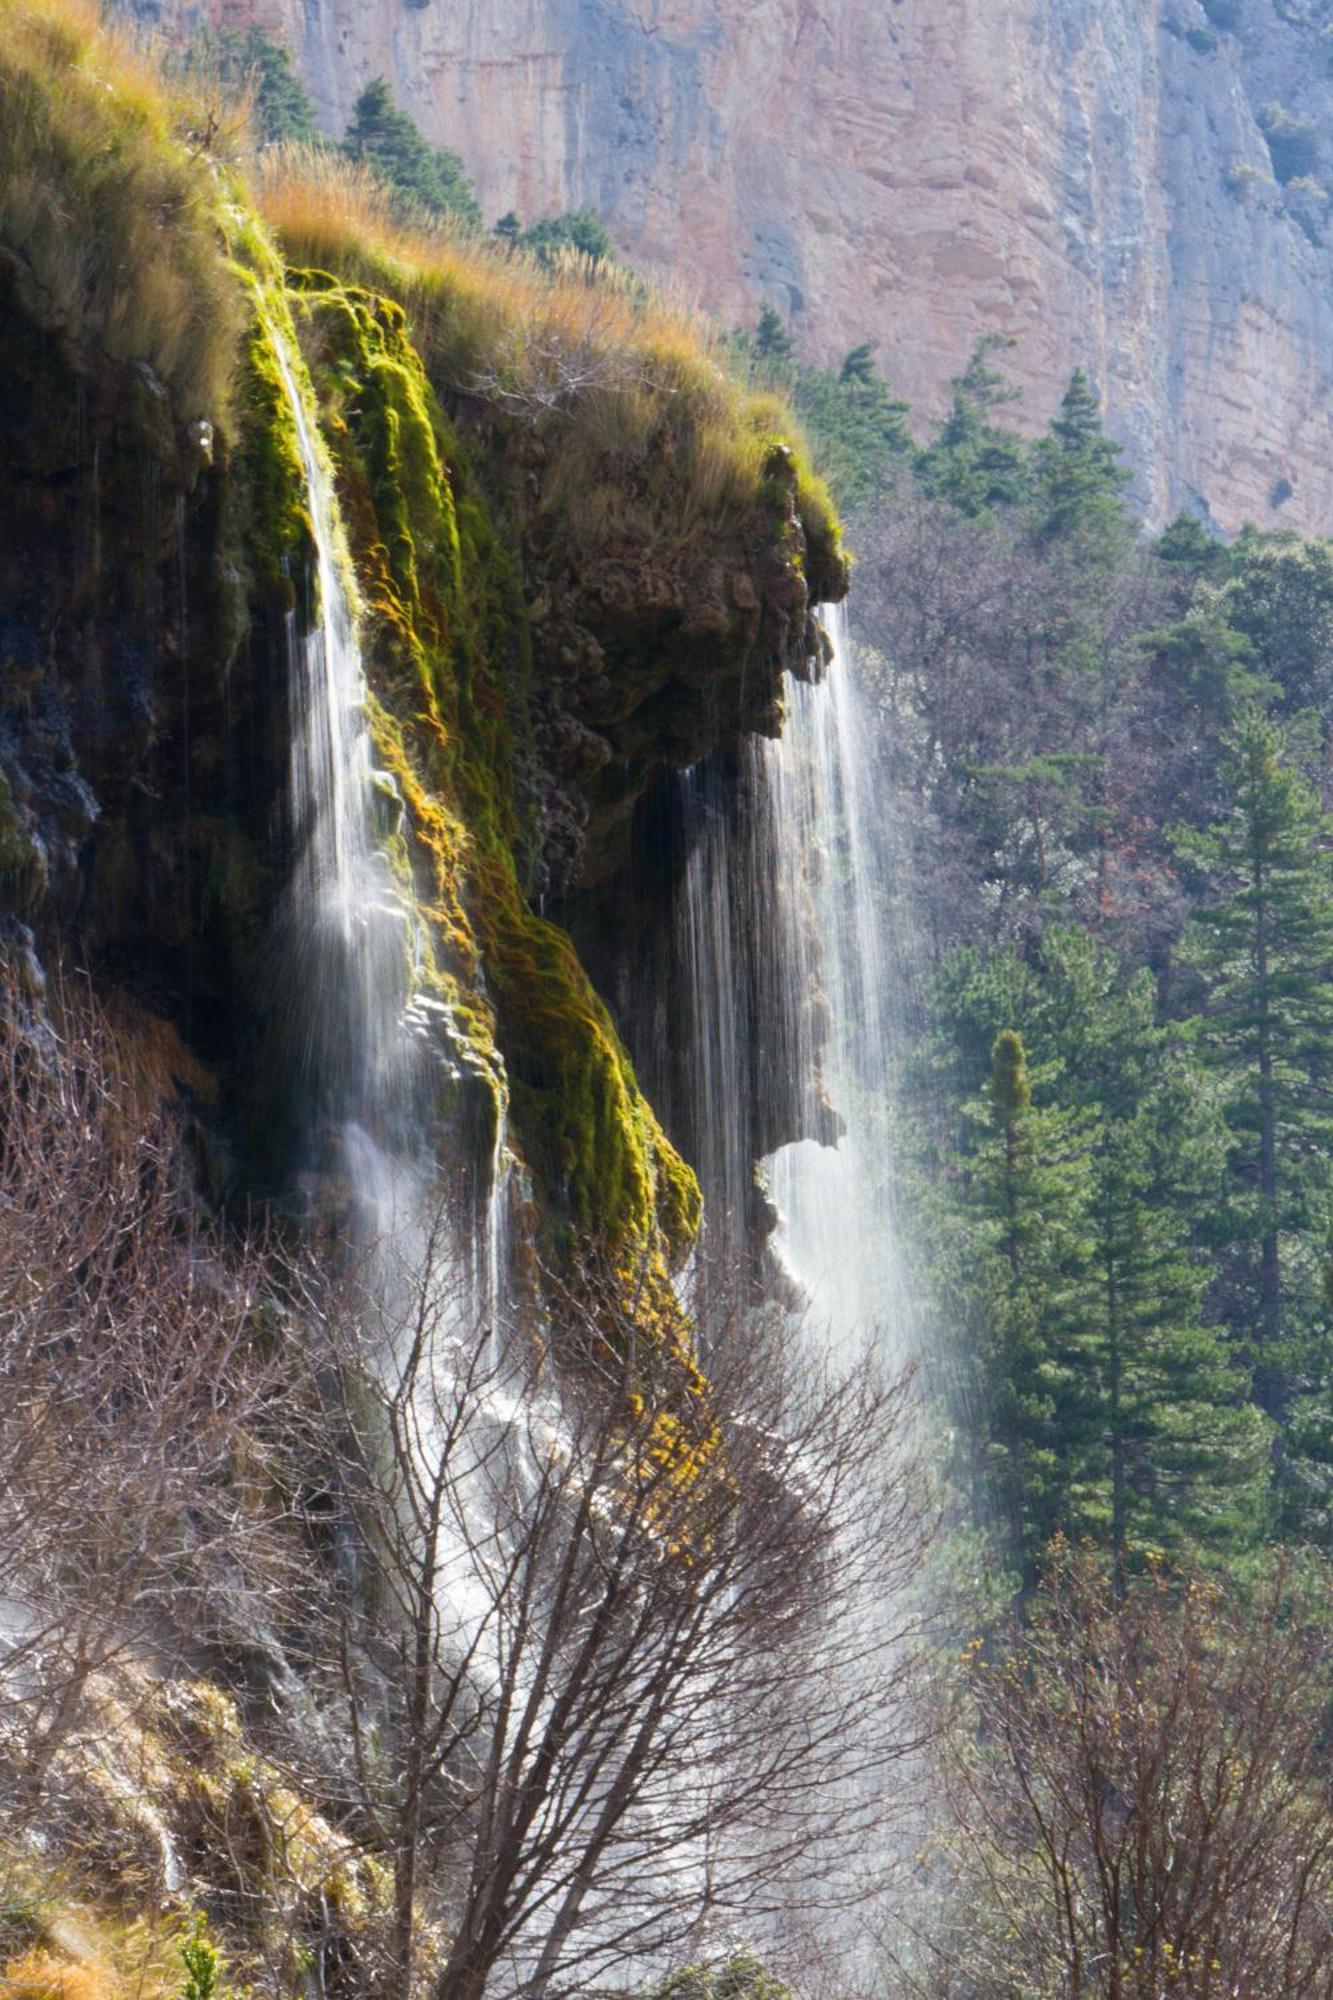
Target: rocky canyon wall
1089	177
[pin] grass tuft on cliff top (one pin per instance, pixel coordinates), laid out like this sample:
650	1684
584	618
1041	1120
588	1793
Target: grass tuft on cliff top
109	218
603	371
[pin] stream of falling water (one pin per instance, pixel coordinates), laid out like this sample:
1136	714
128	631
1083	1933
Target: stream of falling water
793	996
349	934
357	1038
837	1234
796	915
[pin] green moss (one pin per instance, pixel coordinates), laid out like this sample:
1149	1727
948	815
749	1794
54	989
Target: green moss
271	500
449	656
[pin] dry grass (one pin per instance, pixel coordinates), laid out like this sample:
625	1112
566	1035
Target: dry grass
109	220
40	1975
617	380
115	221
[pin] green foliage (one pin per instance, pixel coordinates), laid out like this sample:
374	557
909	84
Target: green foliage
1261	944
1101	1403
772	342
250	61
740	1977
427	180
857	426
1281	600
204	1966
975	464
1078	479
1293	141
579	232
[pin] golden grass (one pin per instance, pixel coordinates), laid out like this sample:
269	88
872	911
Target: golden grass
611	375
110	222
40	1975
116	223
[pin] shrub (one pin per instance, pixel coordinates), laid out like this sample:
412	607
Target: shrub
1247	183
418	176
1293	141
1306	202
40	1975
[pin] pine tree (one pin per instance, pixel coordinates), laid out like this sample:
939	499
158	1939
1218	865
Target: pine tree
426	178
1022	1255
580	230
858	426
1105	1405
252	62
1262	945
772	342
858	365
973	463
1079	480
1168	1453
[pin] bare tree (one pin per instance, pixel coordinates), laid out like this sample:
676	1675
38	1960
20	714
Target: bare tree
631	1653
1140	1800
135	1385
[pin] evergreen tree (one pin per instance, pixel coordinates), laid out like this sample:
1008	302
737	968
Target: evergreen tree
428	179
580	230
974	463
1019	1252
1079	481
1103	1404
772	342
859	365
1281	599
858	427
251	61
1262	945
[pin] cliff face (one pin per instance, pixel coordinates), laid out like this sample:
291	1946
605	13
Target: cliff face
1088	176
565	590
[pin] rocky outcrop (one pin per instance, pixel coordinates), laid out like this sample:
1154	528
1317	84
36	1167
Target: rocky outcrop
1089	177
558	605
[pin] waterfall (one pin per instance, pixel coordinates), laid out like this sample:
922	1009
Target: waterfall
781	1000
837	1233
355	1041
348	934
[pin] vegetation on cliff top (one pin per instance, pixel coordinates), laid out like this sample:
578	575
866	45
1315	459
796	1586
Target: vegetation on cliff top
610	372
110	223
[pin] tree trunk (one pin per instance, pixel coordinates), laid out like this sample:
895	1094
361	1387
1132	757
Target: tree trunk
1268	1385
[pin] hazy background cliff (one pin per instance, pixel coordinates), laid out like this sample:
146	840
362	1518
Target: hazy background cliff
1103	180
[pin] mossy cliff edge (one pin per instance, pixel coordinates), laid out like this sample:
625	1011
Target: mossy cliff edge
583	553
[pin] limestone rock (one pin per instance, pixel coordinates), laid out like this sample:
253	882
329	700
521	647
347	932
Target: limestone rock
1088	176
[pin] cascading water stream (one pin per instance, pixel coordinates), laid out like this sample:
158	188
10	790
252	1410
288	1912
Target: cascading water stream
793	987
348	934
837	1234
360	1040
